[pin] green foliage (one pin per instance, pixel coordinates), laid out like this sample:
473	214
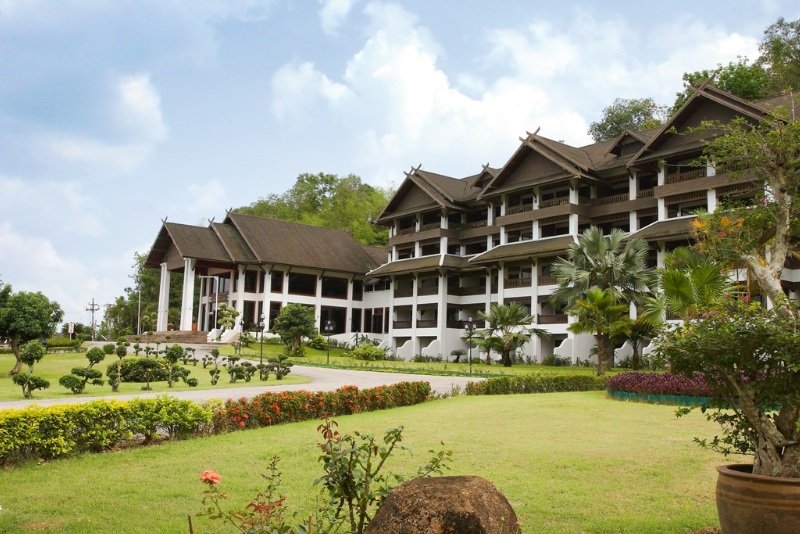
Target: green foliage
35	432
743	79
295	322
95	356
172	355
535	383
353	473
24	317
32	352
750	356
327	200
226	315
76	382
780	54
368	352
599	313
318	342
142	370
72	383
507	329
29	383
108	348
634	114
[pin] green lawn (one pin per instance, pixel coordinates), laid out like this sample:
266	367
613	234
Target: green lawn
54	366
568	463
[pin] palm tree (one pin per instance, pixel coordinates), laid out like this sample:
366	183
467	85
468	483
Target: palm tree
599	313
507	328
636	331
607	262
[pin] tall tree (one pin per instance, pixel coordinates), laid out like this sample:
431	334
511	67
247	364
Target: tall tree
599	313
750	81
327	200
24	317
508	328
632	113
608	262
780	54
294	322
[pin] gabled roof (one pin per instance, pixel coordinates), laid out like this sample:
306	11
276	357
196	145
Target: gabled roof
524	249
234	244
287	243
705	93
671	228
190	241
443	191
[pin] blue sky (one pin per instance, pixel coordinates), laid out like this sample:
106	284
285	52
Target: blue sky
115	114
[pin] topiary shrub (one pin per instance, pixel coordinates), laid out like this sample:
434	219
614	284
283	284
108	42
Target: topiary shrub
143	370
368	352
317	342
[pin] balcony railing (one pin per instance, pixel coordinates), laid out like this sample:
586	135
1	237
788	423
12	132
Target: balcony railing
677	177
473	224
645	193
461	291
547	280
462	324
428	290
553	318
406	230
613	199
404	292
518	282
430	226
399	325
426	323
519	208
553	202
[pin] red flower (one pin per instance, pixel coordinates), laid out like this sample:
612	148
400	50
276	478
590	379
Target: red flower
210	477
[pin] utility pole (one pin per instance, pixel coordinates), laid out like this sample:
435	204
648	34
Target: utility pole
93	307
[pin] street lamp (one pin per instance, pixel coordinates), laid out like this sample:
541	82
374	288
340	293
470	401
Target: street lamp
261	337
216	294
470	327
328	328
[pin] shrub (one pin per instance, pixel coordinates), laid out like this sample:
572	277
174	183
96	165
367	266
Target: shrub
556	361
317	342
29	383
109	348
137	369
535	383
660	384
419	358
368	352
60	343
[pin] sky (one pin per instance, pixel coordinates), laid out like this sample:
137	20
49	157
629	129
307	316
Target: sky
115	114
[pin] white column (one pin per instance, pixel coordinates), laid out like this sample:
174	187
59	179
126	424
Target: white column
534	288
442	314
662	204
711	200
240	298
633	221
318	302
660	254
501	283
163	300
187	301
265	291
632	188
348	316
200	307
573	223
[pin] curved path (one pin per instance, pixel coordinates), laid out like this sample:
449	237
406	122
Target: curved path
322	379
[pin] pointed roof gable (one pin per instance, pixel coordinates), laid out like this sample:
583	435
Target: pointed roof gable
706	94
428	190
190	241
570	161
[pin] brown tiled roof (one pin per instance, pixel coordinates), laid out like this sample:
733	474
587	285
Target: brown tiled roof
378	254
454	189
677	227
524	249
425	263
287	243
234	243
191	242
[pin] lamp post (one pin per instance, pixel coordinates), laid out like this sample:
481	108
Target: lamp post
328	328
470	327
261	338
216	294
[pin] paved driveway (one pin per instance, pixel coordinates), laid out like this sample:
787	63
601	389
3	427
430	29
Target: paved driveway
321	380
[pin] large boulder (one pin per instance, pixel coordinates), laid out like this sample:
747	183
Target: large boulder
445	505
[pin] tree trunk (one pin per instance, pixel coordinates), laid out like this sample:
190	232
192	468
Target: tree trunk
601	354
635	359
15	344
506	358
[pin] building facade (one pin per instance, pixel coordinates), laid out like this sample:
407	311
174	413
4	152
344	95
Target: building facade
459	245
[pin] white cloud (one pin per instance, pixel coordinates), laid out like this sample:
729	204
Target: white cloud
63	207
333	13
204	200
140	108
296	89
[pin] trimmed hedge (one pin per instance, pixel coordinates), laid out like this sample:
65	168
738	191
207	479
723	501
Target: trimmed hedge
290	406
536	383
46	433
55	431
660	384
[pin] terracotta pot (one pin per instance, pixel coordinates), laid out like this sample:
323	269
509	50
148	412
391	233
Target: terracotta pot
753	504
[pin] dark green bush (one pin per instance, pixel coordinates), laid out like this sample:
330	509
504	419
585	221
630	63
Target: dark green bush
506	385
133	370
368	352
317	342
556	361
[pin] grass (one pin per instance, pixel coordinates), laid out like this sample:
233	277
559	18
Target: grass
54	366
339	360
567	462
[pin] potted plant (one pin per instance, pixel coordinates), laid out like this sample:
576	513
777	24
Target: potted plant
748	349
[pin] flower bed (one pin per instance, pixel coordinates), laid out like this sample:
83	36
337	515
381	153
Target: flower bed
56	431
660	388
